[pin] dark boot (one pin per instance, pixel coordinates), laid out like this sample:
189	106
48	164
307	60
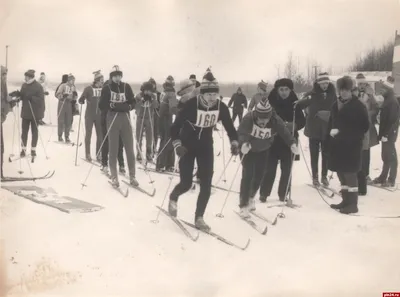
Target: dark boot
344	202
352	205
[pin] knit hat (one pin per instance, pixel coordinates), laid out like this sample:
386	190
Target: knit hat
192	76
388	83
30	73
147	86
360	78
70	76
345	83
239	89
262	85
115	70
170	79
97	75
209	83
187	86
284	82
152	81
263	109
323	78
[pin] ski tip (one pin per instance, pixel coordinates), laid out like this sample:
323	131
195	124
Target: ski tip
265	230
275	221
247	244
195	238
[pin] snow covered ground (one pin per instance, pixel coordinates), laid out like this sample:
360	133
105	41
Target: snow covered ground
117	251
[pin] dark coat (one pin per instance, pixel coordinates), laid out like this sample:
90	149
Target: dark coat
316	102
345	148
239	102
389	117
32	95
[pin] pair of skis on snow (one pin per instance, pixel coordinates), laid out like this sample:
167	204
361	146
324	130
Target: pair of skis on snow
33	178
67	143
12	158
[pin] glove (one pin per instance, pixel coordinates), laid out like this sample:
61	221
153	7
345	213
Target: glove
235	148
294	149
65	96
46	93
246	147
179	149
75	94
81	100
384	139
334	132
15	94
120	107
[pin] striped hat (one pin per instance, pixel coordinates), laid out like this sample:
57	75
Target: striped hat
389	82
263	109
115	70
97	75
323	78
360	78
209	83
262	85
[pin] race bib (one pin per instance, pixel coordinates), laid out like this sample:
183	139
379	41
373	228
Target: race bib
96	92
117	97
261	133
68	90
206	119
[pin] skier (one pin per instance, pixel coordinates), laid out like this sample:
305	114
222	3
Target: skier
185	92
92	95
104	149
239	102
146	103
192	137
388	131
32	97
366	95
347	126
168	107
65	93
256	135
260	96
42	81
192	77
318	103
156	119
118	99
282	98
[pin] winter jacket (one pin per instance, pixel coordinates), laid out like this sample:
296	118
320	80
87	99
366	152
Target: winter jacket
262	139
117	97
185	96
256	99
67	92
145	108
318	104
92	96
168	102
389	117
345	148
239	102
371	137
32	97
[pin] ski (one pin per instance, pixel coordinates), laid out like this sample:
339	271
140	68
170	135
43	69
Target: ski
370	216
261	217
323	190
390	189
251	223
10	159
95	163
334	191
119	190
160	172
180	225
140	189
220	238
217	187
68	143
18	178
288	203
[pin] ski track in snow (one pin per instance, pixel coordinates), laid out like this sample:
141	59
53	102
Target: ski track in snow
117	251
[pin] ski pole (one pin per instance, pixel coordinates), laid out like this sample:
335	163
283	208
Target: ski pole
223	173
77	139
20	171
223	153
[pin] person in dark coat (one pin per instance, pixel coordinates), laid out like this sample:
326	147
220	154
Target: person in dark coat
32	97
282	98
388	131
347	126
156	118
239	102
318	103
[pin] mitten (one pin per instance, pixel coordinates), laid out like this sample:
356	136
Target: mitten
235	148
179	149
81	100
75	93
65	96
46	93
246	147
334	132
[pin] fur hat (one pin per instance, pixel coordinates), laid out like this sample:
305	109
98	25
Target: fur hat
263	109
147	86
388	83
345	83
97	75
284	82
30	73
209	84
360	79
192	76
323	78
187	86
262	85
115	70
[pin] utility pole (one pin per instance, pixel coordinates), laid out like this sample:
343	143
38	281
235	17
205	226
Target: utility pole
315	72
7	56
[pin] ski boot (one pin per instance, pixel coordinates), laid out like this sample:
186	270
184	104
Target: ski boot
67	140
344	201
173	208
170	169
33	152
377	181
160	169
252	204
122	170
104	169
60	139
88	158
315	182
244	213
324	181
115	182
23	153
388	184
351	203
133	182
369	180
201	225
138	157
263	199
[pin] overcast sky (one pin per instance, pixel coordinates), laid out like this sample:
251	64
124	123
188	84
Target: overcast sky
243	40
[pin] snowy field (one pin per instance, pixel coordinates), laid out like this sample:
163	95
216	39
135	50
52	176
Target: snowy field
117	251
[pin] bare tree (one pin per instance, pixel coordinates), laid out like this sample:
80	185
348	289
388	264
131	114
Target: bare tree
290	66
278	70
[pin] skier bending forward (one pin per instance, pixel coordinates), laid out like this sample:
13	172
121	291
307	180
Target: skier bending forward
191	135
118	99
256	135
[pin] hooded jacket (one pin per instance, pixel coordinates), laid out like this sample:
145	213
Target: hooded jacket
239	101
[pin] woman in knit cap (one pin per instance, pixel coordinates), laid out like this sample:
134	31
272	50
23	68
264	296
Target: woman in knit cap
347	126
318	103
282	98
256	135
261	95
118	99
65	94
388	132
168	107
91	94
192	137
